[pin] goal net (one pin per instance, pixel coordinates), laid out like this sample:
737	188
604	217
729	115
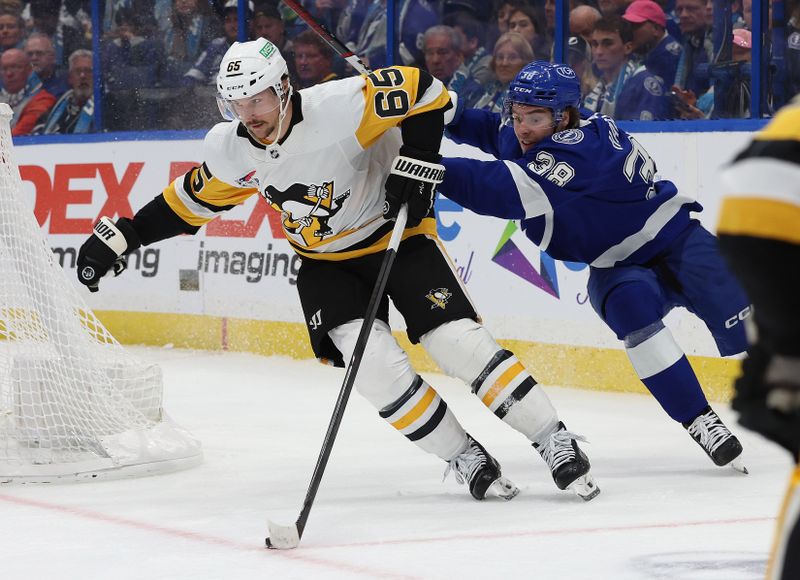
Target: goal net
74	405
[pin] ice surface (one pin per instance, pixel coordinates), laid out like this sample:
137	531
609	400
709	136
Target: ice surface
665	510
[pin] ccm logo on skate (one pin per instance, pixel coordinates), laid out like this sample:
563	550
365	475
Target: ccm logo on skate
87	273
104	231
734	320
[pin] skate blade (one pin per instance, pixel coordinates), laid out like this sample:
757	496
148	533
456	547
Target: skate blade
282	537
585	487
738	465
503	488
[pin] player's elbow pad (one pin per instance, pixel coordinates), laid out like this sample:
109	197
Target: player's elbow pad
453	114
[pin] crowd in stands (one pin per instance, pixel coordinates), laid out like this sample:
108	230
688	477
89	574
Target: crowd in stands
637	59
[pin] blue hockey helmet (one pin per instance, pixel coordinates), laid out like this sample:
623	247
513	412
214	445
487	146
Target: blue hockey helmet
544	84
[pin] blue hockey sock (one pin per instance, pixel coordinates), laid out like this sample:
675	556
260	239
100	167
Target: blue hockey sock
665	371
678	391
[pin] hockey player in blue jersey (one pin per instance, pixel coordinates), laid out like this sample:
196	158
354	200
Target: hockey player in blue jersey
586	191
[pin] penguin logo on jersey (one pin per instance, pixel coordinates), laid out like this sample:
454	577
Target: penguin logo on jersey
440	297
306	209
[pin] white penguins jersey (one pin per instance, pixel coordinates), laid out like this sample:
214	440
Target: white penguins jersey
327	175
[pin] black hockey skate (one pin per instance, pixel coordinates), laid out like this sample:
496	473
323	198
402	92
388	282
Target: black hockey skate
481	472
568	464
717	441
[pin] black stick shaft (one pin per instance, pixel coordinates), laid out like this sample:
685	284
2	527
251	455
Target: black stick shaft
352	368
337	45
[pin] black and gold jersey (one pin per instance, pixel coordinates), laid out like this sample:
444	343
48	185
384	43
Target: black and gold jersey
327	175
762	196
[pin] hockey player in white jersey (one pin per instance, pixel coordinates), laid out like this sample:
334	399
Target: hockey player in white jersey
338	160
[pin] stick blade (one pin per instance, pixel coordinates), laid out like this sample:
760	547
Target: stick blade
282	537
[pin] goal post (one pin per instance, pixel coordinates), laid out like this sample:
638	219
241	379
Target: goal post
74	405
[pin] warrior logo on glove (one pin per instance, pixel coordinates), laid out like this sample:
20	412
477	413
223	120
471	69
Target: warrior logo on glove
413	180
87	273
105	250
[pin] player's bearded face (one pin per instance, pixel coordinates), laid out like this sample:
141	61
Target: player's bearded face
531	124
259	113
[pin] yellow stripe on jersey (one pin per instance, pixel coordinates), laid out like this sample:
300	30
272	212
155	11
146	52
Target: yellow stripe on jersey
426	227
501	383
208	196
787	521
784	127
761	218
390	95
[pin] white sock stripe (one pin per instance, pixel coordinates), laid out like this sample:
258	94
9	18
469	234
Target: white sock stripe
507	391
492	378
656	354
403	410
422	419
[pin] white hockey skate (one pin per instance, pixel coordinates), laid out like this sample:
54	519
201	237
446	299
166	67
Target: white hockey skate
568	464
475	467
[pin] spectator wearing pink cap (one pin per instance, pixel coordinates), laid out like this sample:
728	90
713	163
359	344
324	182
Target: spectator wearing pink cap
736	103
659	51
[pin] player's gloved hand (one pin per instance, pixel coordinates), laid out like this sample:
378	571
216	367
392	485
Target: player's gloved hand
768	398
105	250
413	180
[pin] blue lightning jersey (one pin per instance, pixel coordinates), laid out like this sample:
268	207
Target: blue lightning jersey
583	195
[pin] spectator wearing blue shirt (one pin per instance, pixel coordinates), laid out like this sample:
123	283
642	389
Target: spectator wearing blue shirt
74	111
698	47
371	42
40	50
659	51
350	21
625	89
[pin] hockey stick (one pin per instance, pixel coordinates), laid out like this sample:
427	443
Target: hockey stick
337	45
286	537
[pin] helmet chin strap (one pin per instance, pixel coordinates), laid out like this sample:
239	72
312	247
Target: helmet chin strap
282	113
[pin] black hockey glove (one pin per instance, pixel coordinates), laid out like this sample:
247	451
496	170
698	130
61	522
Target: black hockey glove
105	250
767	398
413	180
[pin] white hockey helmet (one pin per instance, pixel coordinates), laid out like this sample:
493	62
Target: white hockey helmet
249	68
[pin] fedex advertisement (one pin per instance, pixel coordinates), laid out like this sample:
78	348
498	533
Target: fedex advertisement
241	266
